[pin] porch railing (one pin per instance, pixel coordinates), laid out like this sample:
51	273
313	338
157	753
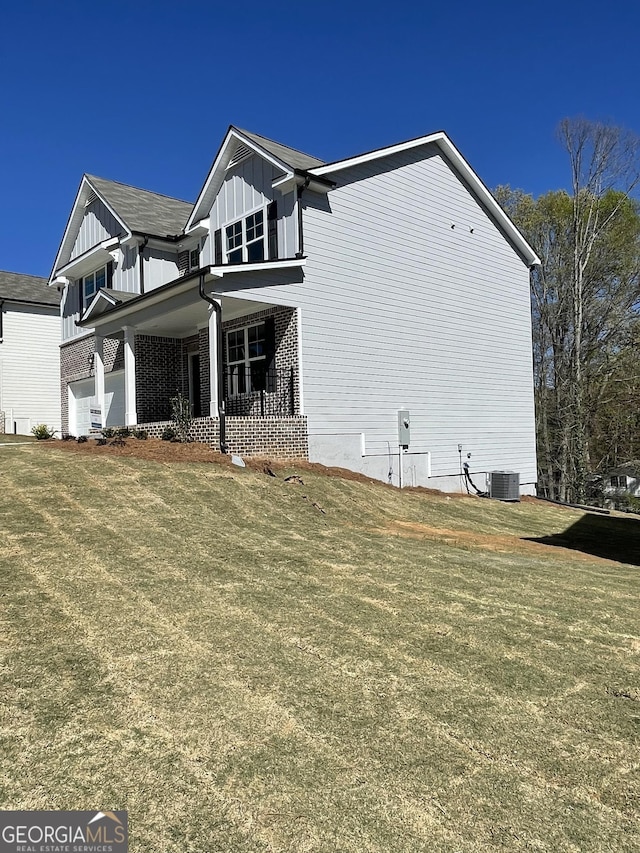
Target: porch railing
258	392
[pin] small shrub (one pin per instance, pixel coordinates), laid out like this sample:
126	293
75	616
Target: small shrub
141	434
101	442
108	432
181	416
123	432
68	437
81	439
169	434
43	432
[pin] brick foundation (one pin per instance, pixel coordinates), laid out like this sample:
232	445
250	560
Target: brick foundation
280	438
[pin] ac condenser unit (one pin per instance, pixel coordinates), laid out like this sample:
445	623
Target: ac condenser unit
504	485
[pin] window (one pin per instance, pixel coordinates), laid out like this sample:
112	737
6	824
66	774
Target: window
194	259
619	482
247	359
251	359
245	239
91	284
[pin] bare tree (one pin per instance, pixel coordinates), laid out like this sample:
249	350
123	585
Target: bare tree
605	164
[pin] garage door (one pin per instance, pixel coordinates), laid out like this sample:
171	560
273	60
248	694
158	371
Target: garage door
84	414
81	401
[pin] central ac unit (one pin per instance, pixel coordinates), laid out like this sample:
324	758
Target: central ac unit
504	485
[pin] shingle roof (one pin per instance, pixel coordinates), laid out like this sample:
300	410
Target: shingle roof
142	210
27	288
293	158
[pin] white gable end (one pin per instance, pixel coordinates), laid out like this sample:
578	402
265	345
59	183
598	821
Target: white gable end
98	224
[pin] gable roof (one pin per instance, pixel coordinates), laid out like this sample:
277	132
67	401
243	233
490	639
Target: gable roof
142	210
287	160
455	159
19	287
298	160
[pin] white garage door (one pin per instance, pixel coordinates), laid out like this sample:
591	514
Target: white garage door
81	401
84	415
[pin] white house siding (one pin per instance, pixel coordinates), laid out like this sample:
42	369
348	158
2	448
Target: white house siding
30	367
159	268
398	309
98	224
247	187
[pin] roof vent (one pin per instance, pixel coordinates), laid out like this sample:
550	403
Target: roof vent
91	198
241	153
504	485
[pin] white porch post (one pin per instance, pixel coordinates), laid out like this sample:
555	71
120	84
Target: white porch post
130	414
99	374
214	367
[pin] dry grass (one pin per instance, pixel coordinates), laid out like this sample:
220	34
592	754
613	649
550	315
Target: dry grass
203	646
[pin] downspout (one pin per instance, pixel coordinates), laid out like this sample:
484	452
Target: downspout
219	356
301	188
141	249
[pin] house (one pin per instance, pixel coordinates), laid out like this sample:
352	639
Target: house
621	483
371	313
29	360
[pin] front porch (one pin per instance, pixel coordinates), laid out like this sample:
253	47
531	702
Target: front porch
243	367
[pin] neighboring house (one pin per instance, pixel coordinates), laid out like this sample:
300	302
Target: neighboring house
621	483
29	353
302	306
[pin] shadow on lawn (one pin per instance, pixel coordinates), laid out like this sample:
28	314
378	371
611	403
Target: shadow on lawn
603	536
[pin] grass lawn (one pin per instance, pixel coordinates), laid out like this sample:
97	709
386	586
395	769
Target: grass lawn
10	438
247	665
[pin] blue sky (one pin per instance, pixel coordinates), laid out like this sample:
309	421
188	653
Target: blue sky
142	92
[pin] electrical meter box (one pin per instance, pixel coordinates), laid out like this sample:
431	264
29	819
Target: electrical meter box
404	427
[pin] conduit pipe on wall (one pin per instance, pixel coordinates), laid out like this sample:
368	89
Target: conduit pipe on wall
219	355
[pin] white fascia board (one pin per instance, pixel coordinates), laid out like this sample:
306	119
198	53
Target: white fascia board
200	228
75	219
87	262
100	296
229	269
456	159
219	166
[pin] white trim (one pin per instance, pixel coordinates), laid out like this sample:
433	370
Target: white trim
456	159
220	165
300	361
79	207
153	297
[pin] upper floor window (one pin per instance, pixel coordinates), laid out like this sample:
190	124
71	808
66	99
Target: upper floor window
246	239
252	238
95	281
194	259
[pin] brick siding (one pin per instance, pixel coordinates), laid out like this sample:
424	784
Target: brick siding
160	374
281	438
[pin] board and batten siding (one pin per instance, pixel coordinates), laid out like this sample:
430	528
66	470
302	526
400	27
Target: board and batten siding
160	267
246	188
98	224
30	367
413	299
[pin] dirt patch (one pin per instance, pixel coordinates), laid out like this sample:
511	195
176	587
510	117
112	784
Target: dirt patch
156	450
482	541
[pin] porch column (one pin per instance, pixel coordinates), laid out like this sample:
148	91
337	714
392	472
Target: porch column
130	414
99	375
214	367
